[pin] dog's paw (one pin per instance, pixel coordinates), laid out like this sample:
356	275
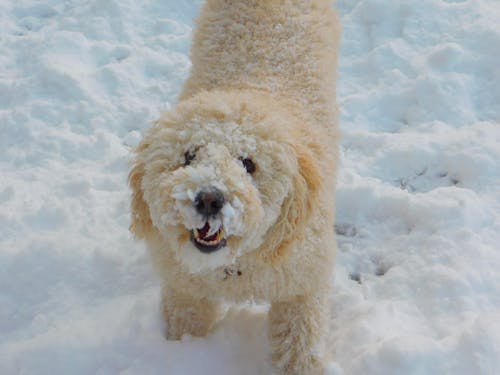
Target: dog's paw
293	359
296	332
176	328
297	364
184	315
179	324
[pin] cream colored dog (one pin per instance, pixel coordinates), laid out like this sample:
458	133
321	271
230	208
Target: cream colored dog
233	190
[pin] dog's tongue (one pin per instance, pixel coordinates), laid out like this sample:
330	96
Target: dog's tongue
203	231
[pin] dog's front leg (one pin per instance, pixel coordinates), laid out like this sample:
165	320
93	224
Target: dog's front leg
185	314
297	332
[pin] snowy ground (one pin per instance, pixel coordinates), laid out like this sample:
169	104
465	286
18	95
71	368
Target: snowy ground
417	287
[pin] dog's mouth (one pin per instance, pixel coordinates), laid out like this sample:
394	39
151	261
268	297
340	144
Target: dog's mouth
208	239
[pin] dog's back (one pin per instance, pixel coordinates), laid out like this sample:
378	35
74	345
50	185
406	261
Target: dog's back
280	46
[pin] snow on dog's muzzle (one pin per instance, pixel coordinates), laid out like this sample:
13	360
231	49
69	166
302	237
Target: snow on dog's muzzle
208	203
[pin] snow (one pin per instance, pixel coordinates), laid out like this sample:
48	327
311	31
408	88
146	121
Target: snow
417	287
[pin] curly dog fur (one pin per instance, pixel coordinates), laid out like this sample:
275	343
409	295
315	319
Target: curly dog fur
233	189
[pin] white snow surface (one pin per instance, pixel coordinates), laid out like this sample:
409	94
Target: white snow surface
417	286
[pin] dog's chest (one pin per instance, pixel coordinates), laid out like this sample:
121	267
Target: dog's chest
245	281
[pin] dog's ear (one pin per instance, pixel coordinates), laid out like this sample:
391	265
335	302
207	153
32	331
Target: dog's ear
297	208
140	218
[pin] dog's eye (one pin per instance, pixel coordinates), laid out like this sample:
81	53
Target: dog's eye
249	165
189	157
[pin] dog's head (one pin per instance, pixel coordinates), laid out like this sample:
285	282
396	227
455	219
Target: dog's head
224	174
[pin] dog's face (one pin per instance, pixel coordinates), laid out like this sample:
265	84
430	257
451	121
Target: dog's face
220	177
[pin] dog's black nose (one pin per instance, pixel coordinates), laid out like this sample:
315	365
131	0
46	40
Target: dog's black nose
209	201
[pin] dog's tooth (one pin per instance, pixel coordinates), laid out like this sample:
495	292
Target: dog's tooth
208	243
213	229
215	225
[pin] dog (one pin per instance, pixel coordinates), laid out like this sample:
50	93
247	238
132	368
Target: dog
233	189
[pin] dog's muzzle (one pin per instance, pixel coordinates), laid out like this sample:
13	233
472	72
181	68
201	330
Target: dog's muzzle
209	203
